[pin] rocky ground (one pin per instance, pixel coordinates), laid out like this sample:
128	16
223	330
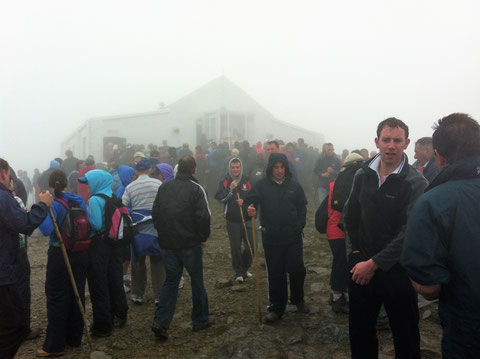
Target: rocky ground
236	332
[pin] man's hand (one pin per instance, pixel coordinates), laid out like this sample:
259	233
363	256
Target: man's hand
252	211
330	169
363	272
203	244
45	197
326	174
240	202
233	185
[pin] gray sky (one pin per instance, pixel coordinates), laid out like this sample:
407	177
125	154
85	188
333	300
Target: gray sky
337	67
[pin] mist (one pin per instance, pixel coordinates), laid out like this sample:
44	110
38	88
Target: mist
337	68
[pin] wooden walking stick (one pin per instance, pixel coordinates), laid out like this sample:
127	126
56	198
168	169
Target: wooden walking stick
255	259
72	278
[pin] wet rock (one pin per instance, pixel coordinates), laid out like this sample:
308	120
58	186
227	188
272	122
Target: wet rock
318	270
295	338
235	333
101	347
223	283
331	333
230	320
99	355
426	314
238	288
317	287
120	345
430	354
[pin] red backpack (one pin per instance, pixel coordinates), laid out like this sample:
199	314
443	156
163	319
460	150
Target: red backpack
118	223
75	228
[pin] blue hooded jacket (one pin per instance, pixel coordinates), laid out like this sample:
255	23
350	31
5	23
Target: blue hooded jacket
59	211
167	172
100	182
125	173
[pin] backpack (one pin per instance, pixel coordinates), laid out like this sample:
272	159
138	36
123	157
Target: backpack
118	223
321	216
343	186
75	228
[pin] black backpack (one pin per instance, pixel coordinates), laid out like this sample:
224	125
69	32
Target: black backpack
118	222
343	185
75	228
321	216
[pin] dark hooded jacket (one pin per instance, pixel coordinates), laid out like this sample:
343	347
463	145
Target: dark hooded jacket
225	195
181	214
283	207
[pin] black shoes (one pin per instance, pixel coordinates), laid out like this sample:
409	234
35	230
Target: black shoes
340	305
100	333
271	317
160	332
200	326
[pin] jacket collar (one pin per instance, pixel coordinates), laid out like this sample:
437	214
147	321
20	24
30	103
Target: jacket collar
466	168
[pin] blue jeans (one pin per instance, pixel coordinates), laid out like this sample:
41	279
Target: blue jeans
175	260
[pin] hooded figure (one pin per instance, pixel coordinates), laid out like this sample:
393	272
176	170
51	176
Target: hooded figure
283	216
232	191
167	172
105	272
126	174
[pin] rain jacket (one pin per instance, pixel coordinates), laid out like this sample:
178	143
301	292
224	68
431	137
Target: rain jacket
100	182
59	211
225	195
283	207
125	173
15	220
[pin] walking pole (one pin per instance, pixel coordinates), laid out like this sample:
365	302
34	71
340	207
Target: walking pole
255	259
72	278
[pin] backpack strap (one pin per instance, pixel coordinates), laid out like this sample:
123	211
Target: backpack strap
101	195
65	204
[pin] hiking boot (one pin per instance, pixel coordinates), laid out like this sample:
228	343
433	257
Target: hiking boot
303	308
249	275
271	317
43	354
160	332
157	302
239	279
119	322
196	327
340	305
100	333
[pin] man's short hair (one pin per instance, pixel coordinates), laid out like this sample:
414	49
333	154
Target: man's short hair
277	145
392	122
456	136
187	165
424	141
4	165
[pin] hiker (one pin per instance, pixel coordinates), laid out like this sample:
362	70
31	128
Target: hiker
105	274
326	170
442	242
375	215
182	218
139	196
65	322
425	160
282	217
14	327
232	191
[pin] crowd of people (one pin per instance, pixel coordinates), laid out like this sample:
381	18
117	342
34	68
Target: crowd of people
395	230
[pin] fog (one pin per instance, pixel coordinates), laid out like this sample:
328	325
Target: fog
336	67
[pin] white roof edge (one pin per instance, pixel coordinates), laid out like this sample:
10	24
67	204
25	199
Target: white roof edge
295	126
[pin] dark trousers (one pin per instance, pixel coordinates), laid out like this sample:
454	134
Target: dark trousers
339	274
394	290
175	260
105	282
13	328
65	322
23	283
241	257
461	337
280	261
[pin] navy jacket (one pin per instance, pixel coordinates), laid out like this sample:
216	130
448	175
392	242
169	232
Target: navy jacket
283	207
442	243
15	220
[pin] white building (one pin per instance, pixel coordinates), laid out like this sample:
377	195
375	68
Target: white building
218	111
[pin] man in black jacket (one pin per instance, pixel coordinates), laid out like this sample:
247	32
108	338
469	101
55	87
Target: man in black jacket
232	191
283	216
182	219
375	216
